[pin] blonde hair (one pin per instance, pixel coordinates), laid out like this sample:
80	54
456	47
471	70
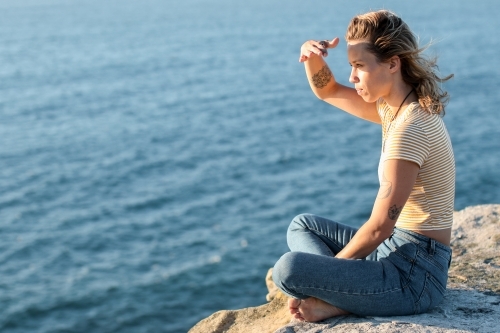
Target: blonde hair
388	36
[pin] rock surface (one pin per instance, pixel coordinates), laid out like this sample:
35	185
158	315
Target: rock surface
471	304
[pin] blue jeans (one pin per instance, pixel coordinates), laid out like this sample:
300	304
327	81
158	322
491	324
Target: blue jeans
406	274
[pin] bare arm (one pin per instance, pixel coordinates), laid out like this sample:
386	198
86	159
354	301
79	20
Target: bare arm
399	176
326	88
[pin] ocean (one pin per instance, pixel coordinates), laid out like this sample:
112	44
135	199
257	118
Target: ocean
154	152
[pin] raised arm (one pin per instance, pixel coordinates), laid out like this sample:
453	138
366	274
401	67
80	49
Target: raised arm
398	179
326	88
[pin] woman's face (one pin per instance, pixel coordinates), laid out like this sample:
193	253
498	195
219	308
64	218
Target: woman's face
372	79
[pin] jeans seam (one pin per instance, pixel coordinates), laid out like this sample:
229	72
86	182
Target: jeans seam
411	260
301	290
431	262
447	258
417	304
436	283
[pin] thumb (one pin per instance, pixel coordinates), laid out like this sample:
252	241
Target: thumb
334	42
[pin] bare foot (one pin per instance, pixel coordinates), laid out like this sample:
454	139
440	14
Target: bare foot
313	309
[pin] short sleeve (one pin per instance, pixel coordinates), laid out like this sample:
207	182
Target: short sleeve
407	142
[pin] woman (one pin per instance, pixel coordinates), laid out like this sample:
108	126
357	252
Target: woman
397	262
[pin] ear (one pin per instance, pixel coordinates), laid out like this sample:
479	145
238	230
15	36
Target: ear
394	64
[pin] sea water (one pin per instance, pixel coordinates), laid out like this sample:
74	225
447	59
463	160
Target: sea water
153	152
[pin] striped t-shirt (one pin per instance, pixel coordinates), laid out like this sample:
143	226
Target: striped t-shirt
420	137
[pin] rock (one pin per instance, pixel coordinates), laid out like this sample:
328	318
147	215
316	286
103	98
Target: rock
462	310
261	319
475	243
273	290
471	304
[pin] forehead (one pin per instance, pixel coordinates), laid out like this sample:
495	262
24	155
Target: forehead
358	51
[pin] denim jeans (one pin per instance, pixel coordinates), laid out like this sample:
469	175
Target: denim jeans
406	274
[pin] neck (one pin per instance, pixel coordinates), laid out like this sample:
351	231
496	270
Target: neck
396	100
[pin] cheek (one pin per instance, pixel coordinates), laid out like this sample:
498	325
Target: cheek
373	80
366	78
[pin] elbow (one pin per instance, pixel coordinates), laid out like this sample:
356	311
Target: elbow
381	233
321	98
384	234
319	94
326	92
379	236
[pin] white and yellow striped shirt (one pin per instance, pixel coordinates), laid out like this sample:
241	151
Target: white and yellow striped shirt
422	138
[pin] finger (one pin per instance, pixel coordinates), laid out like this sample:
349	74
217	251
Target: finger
305	56
334	42
330	44
324	44
313	50
317	48
322	48
313	47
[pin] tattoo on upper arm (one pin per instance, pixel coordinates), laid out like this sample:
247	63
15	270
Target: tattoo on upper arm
394	212
385	188
322	78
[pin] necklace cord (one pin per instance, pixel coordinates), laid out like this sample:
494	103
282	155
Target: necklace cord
394	117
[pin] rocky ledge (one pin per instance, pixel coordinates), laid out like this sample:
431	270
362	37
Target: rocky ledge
471	304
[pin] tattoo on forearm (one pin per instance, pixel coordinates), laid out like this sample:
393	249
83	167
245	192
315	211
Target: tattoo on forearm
322	78
394	212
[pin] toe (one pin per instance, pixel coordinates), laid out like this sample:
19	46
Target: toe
293	303
298	316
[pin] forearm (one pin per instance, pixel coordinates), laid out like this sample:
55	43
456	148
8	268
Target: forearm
320	76
365	241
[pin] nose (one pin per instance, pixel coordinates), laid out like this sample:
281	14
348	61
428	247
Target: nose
353	78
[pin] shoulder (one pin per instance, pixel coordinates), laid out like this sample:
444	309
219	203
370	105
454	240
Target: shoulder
414	121
409	140
427	124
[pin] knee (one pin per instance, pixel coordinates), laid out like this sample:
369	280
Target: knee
299	222
301	219
285	269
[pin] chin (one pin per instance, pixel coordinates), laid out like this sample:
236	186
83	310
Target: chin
369	99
